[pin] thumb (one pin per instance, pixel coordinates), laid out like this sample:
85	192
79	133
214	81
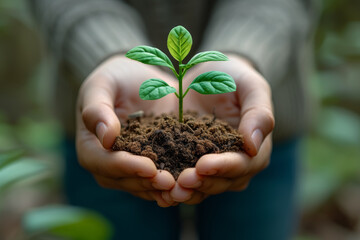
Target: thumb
97	110
255	125
257	118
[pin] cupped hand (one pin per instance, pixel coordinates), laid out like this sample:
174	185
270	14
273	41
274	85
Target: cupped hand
249	109
107	96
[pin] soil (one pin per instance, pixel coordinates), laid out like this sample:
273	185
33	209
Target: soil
174	146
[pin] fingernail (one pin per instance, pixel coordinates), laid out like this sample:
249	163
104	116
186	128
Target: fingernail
100	131
257	138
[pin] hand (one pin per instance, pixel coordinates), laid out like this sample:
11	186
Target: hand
110	93
250	110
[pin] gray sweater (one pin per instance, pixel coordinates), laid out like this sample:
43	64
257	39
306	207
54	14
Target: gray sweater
274	34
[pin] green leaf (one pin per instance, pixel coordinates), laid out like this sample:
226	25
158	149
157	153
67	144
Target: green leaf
20	170
9	157
179	42
153	89
67	222
149	55
206	57
213	82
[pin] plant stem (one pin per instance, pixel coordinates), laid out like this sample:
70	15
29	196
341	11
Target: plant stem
181	97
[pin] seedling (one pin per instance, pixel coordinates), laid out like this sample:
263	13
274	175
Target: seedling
179	43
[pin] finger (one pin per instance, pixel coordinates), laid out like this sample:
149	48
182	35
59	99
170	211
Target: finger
180	194
163	180
262	159
197	197
240	184
189	178
167	198
113	164
96	105
141	187
159	199
135	184
214	185
257	119
227	165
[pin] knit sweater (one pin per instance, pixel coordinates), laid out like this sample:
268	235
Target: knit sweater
275	35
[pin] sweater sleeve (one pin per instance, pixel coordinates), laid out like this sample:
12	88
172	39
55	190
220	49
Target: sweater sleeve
82	33
264	31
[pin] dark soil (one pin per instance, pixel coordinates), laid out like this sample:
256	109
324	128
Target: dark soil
174	146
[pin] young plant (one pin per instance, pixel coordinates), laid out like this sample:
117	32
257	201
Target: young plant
179	43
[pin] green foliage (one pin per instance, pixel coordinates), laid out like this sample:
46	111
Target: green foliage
150	55
179	43
153	89
9	157
331	154
213	82
67	223
206	57
14	168
55	221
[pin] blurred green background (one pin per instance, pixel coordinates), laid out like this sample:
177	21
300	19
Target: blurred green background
30	189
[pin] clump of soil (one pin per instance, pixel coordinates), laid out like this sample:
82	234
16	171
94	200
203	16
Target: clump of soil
174	146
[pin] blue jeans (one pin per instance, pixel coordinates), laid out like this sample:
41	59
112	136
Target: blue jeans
265	210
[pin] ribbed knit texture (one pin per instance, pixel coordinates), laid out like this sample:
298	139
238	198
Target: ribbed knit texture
274	35
85	32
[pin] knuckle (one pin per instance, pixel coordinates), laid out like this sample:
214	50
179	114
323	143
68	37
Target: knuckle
207	186
145	184
215	186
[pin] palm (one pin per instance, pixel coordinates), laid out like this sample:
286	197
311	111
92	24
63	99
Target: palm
224	106
127	83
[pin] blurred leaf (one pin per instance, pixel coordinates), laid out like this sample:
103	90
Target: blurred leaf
19	170
329	52
317	187
9	157
351	38
328	165
67	222
7	140
340	125
39	135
